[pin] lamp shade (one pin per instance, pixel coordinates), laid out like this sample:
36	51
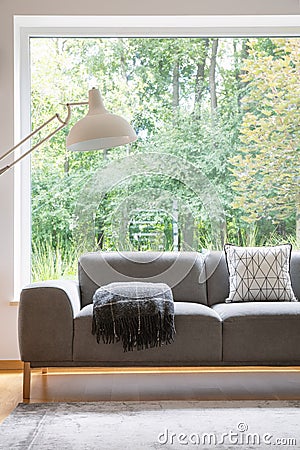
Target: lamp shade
99	129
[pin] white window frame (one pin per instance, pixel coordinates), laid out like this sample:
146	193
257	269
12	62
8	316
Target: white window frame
26	27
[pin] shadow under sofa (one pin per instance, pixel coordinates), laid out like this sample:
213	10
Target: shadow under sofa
55	317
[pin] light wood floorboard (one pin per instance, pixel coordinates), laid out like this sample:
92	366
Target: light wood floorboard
84	386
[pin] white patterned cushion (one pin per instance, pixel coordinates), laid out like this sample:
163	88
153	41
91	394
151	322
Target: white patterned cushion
259	273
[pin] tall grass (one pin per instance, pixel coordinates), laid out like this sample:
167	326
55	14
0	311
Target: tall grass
253	237
276	239
50	262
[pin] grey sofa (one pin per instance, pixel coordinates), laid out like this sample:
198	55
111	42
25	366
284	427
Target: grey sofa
55	317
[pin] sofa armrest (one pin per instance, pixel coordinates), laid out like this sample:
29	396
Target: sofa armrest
45	322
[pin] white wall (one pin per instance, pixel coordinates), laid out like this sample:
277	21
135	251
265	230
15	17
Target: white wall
9	8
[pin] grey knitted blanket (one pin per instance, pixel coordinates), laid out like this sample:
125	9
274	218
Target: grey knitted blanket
141	315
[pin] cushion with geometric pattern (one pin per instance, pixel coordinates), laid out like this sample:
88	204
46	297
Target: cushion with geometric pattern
259	273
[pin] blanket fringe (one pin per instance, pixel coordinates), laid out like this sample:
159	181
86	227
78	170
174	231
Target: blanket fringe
140	333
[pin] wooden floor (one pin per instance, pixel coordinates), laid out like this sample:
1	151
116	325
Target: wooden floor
95	386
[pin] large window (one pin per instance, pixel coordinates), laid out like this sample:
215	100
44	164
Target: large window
217	157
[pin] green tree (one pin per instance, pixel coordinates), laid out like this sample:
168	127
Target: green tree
182	96
267	168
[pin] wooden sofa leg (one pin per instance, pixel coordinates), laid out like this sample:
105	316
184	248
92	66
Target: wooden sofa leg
26	381
44	370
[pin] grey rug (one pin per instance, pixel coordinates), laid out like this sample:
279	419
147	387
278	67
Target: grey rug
153	425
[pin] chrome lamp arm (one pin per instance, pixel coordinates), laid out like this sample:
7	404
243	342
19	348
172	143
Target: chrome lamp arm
56	116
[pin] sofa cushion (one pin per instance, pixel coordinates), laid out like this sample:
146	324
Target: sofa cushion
259	273
260	332
217	276
294	272
198	340
182	271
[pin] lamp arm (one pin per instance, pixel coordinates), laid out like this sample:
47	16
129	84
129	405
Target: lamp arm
56	116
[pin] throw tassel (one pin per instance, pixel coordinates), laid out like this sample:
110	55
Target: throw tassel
140	333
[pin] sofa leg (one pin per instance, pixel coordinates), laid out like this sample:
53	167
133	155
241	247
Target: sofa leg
26	381
44	370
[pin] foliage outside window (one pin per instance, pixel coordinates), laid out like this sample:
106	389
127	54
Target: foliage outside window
230	107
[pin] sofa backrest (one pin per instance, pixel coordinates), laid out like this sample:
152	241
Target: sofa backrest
218	277
295	273
183	271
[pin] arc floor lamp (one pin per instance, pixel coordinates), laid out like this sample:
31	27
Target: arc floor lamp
99	129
